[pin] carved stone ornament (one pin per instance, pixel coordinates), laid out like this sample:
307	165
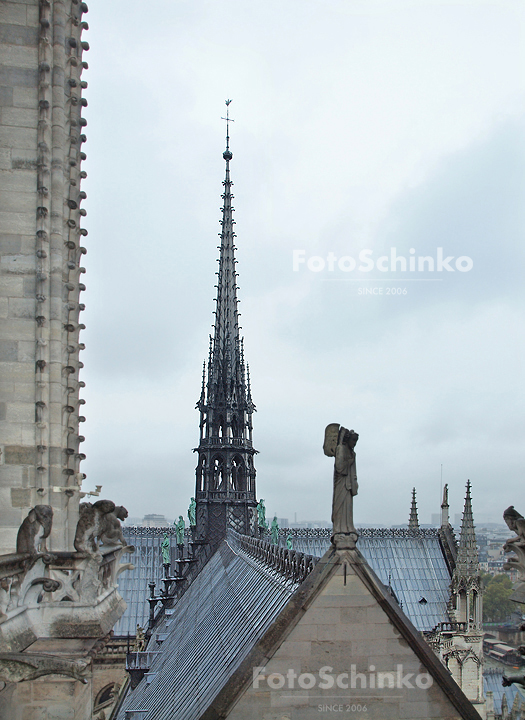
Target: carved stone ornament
516	523
339	443
511	678
99	523
18	667
34	530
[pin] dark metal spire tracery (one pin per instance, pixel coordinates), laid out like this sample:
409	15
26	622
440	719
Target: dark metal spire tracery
225	487
225	380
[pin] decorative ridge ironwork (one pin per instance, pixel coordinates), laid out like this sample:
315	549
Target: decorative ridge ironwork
363	532
291	564
398	532
154	531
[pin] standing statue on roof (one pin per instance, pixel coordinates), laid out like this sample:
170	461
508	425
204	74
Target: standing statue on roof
261	512
165	549
139	643
274	530
289	542
192	516
179	530
339	443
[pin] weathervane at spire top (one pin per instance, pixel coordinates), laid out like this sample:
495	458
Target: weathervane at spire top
227	155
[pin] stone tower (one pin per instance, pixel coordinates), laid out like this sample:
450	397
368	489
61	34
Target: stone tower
58	574
42	132
225	474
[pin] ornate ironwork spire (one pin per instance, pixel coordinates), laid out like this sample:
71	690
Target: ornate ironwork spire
467	563
226	379
413	522
225	487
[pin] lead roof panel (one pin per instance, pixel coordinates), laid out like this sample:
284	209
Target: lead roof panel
216	623
412	563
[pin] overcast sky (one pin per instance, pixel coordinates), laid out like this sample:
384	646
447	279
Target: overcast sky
359	126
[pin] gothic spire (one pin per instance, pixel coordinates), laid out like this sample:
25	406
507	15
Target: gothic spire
225	381
467	564
445	508
413	522
225	474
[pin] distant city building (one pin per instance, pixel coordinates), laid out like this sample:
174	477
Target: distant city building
311	524
154	520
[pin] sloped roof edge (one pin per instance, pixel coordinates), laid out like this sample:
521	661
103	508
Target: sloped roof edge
297	606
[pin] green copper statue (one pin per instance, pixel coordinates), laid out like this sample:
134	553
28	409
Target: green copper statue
289	543
191	513
261	511
165	549
179	529
274	530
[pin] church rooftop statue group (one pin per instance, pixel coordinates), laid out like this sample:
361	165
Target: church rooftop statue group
180	528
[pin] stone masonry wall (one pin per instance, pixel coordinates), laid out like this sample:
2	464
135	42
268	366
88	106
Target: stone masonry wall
346	633
41	136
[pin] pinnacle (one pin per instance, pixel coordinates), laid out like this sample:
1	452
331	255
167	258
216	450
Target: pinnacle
413	522
467	560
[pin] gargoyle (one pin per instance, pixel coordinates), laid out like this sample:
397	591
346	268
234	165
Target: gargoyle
111	529
90	525
17	667
34	530
99	523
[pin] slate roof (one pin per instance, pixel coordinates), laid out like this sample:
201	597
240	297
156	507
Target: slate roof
133	584
411	562
230	620
212	628
415	568
492	682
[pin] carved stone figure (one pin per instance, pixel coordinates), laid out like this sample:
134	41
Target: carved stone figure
5	596
165	549
274	530
516	522
100	522
339	443
89	525
192	513
261	512
34	530
17	667
179	529
139	643
289	542
110	527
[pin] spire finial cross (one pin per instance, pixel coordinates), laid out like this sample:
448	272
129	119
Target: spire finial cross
228	121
